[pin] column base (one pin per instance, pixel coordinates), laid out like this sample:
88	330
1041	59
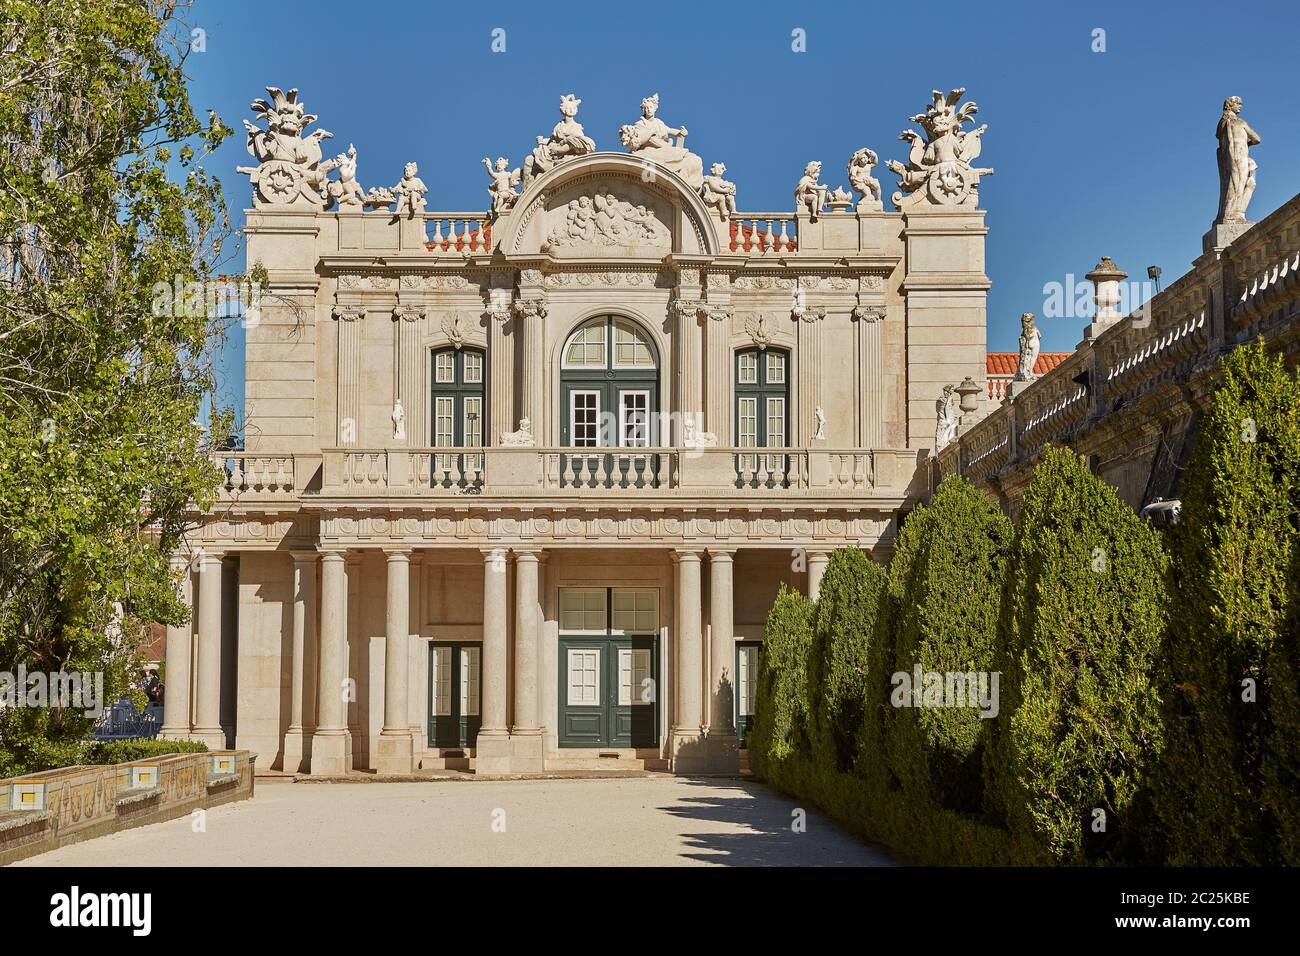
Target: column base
331	753
492	753
695	754
527	752
176	733
394	753
214	737
295	752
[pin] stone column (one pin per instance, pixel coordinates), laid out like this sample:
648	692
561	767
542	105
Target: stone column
395	749
304	608
530	326
687	750
817	561
176	699
723	749
492	748
331	747
686	334
207	686
500	375
869	322
526	735
718	368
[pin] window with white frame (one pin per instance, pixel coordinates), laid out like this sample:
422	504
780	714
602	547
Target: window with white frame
583	609
636	610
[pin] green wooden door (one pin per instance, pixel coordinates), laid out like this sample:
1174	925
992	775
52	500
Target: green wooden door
608	691
455	673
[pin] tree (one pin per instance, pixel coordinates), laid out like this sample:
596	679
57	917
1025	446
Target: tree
949	577
103	200
1229	787
845	616
1079	635
781	728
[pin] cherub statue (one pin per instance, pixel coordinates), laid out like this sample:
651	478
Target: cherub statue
809	193
567	140
651	138
1030	339
945	430
504	181
346	191
410	192
719	194
863	183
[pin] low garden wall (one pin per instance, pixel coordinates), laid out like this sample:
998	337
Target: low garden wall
50	809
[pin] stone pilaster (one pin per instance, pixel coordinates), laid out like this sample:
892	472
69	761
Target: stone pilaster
492	747
349	372
304	638
331	745
409	387
719	364
207	681
526	735
869	373
688	753
530	327
500	373
395	749
689	397
179	649
808	383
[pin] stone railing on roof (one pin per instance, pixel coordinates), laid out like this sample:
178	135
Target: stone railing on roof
1133	393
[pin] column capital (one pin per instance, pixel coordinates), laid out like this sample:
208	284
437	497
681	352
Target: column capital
531	307
408	313
721	554
304	555
530	555
333	555
397	554
349	313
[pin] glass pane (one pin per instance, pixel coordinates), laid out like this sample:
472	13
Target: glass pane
776	423
586	348
748	368
584	677
444	435
748	674
642	678
473	367
747	426
585	413
624	677
634	417
473	424
582	609
444	368
636	610
775	368
631	348
470	662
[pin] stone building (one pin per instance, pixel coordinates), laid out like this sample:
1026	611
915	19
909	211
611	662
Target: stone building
518	487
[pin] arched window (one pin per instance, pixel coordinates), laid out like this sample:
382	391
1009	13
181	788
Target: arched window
457	405
609	386
762	404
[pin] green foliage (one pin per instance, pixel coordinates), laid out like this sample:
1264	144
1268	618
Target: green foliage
1229	787
102	198
1079	636
947	576
781	726
125	751
851	592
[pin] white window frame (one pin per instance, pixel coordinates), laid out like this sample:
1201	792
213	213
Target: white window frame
639	335
582	652
647	596
741	370
573	417
584	610
623	416
437	368
603	325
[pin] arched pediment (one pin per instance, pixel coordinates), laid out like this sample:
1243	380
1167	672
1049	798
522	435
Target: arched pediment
608	205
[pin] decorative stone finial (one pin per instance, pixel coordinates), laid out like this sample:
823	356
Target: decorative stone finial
938	169
1105	279
289	170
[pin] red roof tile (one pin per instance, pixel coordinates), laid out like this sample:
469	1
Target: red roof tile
1005	363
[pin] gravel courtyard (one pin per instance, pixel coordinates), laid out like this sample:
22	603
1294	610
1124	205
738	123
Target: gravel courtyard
652	821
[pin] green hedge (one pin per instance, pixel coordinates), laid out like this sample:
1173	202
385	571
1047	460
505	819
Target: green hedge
1079	637
1229	786
125	751
29	745
780	729
947	588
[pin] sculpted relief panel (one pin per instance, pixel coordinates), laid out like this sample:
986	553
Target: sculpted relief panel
607	219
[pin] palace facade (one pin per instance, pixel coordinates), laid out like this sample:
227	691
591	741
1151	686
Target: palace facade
519	487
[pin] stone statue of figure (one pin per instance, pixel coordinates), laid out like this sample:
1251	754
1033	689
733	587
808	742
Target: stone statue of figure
410	192
346	191
945	431
520	439
863	183
819	418
504	181
650	138
567	139
399	421
1236	168
719	194
1030	339
811	194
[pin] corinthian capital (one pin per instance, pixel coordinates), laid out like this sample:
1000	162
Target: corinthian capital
530	308
349	313
868	313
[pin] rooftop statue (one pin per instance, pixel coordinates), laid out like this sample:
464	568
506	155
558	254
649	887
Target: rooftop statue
410	192
345	191
863	183
945	428
504	181
567	140
1236	168
1030	341
719	194
650	138
938	169
289	170
808	193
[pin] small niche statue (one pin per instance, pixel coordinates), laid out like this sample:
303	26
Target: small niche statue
399	421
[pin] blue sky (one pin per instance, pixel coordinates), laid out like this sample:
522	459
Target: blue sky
1095	154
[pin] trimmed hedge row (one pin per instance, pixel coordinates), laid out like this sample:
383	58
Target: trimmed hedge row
1148	704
